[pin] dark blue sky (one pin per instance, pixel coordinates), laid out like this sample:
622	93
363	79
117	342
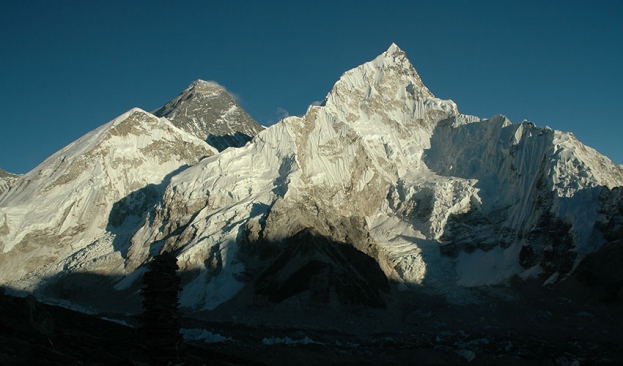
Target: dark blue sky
67	67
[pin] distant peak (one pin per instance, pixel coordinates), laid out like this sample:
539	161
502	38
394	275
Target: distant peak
393	49
132	115
388	75
205	83
395	55
206	86
207	108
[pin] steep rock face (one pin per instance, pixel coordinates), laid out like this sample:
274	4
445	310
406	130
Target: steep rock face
437	198
330	170
538	196
74	211
6	179
601	270
207	111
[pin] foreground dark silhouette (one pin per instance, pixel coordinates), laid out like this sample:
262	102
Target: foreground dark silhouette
34	333
160	322
316	302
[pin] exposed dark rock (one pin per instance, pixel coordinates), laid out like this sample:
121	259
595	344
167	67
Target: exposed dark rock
206	110
550	244
160	321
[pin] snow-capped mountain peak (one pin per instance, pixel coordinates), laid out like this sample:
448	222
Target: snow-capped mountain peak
206	110
388	86
203	86
438	199
74	204
396	58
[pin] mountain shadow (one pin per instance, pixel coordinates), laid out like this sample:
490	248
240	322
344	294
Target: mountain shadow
128	213
35	333
510	162
346	289
601	272
313	269
222	142
90	293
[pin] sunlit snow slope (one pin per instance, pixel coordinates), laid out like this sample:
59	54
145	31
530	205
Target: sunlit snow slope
439	199
436	197
71	211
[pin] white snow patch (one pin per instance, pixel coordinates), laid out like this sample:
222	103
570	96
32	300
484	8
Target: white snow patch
552	279
129	279
487	268
288	340
118	321
203	335
531	273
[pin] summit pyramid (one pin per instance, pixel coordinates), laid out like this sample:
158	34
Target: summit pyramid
206	110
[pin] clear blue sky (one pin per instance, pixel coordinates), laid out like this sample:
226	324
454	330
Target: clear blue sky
67	67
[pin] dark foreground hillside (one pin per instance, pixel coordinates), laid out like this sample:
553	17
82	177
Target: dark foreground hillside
419	330
33	333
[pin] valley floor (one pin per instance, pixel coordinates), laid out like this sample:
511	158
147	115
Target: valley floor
540	327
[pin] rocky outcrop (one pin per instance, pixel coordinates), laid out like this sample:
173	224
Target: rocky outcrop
6	179
206	110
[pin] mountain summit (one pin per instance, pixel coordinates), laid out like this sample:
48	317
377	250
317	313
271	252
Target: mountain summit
206	110
84	199
431	199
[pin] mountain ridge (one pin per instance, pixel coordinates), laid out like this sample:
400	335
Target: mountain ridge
223	124
40	216
440	200
352	146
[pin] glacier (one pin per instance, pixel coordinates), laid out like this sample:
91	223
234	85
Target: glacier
441	201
